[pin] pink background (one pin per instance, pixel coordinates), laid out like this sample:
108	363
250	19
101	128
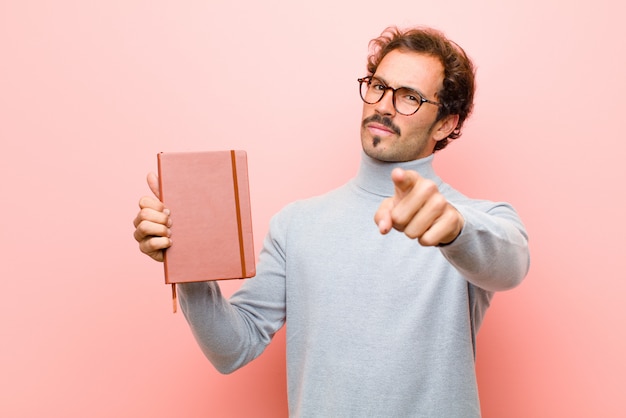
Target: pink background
91	91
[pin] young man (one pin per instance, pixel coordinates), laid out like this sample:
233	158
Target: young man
383	283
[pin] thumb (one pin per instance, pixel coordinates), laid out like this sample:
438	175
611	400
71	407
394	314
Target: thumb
153	183
383	216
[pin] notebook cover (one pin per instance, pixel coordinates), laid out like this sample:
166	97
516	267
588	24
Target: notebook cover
209	199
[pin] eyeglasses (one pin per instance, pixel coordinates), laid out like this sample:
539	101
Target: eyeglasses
406	101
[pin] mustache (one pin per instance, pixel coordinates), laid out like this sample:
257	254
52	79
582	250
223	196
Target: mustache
383	120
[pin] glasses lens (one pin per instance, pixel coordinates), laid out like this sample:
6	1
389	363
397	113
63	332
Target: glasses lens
371	90
407	101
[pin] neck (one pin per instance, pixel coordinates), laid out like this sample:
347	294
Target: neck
374	175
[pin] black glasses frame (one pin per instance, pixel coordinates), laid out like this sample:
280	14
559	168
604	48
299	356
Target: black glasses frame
368	80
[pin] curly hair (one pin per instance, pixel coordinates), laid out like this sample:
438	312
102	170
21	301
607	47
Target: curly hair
457	92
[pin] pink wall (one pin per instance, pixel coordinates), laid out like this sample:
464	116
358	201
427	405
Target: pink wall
91	91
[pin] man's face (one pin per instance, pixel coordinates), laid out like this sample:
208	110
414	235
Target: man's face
387	135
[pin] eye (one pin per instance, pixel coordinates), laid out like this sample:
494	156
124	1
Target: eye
377	85
410	97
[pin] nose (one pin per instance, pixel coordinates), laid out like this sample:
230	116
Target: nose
385	104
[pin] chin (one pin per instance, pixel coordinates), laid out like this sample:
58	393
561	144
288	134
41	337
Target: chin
380	154
387	155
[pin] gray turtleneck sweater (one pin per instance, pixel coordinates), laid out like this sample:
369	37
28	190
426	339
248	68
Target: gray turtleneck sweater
377	325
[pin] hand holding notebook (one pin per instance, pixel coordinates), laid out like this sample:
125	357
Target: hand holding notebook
208	196
200	223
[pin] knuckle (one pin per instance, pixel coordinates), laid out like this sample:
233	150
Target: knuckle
430	186
142	229
398	220
426	241
144	214
150	202
439	202
150	245
138	235
143	247
143	201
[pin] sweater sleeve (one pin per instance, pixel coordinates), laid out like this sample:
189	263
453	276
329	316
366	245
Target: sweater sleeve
492	250
231	333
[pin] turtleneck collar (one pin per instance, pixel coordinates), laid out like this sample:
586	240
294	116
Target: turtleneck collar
374	176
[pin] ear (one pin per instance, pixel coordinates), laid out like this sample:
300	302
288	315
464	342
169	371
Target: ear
445	126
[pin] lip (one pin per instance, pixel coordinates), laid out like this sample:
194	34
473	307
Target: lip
379	129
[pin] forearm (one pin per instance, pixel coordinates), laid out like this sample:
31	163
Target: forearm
492	250
233	332
224	333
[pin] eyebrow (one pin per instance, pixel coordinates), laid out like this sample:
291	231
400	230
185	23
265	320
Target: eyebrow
401	87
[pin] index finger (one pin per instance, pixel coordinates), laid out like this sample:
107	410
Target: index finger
404	180
149	202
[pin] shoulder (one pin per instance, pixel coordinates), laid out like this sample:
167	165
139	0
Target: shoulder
483	205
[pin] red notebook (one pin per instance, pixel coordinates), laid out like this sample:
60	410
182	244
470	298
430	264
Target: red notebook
208	196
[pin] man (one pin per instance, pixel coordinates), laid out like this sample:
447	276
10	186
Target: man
381	315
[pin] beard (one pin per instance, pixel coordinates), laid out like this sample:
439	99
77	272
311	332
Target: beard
397	149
